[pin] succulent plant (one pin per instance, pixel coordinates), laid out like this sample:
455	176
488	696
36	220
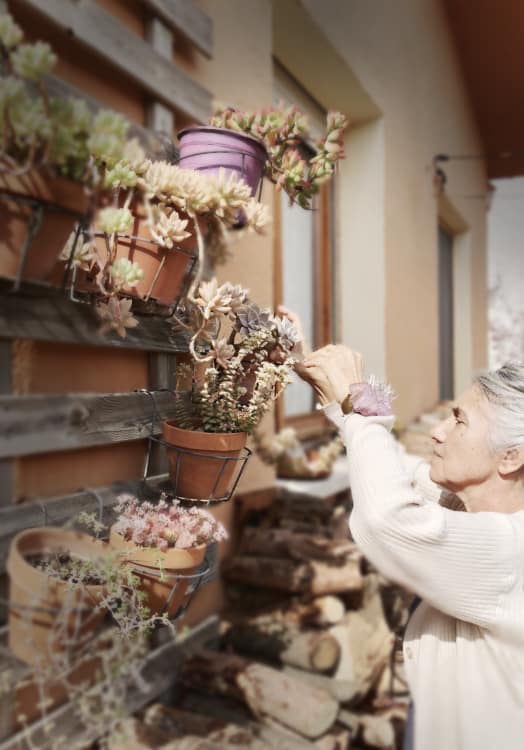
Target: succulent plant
283	131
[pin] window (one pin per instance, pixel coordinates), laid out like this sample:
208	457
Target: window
304	263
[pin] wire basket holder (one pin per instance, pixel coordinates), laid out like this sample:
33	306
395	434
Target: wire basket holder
225	470
38	208
74	287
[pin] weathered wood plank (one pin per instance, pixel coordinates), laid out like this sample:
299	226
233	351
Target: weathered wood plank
159	671
6	466
43	423
46	314
162	375
159	117
102	33
187	18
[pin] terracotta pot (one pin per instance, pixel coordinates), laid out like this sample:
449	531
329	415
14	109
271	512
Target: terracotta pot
64	203
45	612
197	461
159	571
208	149
165	270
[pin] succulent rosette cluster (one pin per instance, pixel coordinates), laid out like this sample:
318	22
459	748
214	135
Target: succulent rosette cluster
176	203
165	524
249	357
39	130
283	131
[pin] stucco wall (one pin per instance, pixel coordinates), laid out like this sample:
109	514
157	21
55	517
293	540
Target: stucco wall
401	55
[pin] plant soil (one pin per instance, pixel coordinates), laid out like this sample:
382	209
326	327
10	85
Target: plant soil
64	567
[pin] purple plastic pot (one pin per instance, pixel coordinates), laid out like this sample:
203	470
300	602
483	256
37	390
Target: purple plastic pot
207	149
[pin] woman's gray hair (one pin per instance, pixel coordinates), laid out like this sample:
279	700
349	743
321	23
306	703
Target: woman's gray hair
504	389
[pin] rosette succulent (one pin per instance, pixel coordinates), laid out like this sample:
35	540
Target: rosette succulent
249	357
283	132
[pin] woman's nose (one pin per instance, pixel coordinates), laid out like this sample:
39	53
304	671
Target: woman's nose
438	433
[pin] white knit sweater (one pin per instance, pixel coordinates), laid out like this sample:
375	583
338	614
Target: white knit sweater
464	645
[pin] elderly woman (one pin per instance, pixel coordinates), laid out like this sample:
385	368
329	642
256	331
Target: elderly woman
464	645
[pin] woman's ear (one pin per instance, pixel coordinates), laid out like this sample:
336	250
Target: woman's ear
512	460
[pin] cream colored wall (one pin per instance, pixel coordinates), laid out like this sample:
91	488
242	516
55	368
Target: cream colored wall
400	57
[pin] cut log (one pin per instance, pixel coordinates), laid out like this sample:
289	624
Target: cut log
322	611
298	546
271	638
132	734
196	743
365	641
286	575
343	691
338	738
178	722
375	731
266	691
278	737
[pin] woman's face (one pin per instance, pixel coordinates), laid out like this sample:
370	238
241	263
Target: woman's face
461	453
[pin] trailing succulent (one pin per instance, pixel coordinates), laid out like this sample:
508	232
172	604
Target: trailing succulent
283	131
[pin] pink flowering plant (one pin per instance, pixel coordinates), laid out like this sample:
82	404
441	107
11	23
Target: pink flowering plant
283	131
165	524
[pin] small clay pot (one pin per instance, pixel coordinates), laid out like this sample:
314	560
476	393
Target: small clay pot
166	270
160	571
198	465
64	203
47	616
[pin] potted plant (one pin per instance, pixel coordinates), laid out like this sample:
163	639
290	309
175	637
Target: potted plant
293	460
231	138
152	229
165	544
47	164
247	355
56	592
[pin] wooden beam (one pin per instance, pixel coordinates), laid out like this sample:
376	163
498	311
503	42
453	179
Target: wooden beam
60	510
6	466
162	375
47	314
98	30
44	423
159	117
188	19
160	669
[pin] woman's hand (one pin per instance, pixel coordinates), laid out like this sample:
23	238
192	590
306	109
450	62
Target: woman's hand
331	370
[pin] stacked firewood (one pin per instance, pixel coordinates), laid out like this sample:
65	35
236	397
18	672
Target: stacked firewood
307	656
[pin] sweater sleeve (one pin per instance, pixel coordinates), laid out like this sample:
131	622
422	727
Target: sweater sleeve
460	563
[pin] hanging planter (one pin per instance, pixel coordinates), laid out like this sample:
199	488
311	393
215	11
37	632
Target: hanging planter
204	465
53	149
49	616
165	544
164	576
165	272
209	149
38	212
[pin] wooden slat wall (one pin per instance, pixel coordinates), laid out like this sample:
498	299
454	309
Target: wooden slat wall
6	466
45	314
99	31
40	424
188	19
